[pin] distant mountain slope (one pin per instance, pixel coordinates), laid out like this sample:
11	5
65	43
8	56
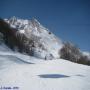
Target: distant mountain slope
29	36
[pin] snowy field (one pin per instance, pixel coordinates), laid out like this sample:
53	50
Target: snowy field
28	73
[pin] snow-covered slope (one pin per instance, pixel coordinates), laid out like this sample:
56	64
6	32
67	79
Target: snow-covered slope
3	47
46	43
87	54
38	74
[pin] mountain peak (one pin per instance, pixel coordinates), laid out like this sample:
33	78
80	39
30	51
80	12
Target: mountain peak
13	19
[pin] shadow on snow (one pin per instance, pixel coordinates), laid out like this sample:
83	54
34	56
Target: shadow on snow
53	76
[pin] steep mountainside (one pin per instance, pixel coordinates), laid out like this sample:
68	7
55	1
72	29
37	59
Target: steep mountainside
29	36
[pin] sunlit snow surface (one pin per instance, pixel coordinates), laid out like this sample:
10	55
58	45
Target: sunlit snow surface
29	73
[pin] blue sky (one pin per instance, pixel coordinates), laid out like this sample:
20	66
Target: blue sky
68	19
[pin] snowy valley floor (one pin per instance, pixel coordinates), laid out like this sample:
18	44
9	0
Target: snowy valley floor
28	73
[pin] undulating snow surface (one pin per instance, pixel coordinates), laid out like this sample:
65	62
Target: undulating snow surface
28	73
